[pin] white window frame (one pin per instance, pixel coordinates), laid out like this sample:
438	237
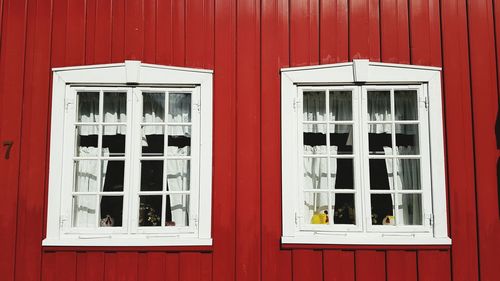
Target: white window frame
361	75
131	77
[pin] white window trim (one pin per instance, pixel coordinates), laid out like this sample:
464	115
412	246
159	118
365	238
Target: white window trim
129	74
360	72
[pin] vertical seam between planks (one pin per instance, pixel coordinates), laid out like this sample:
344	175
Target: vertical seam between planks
236	95
474	162
417	271
408	14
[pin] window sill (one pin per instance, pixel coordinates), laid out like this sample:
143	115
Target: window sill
367	241
128	242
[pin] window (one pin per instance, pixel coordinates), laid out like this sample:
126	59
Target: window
130	159
361	161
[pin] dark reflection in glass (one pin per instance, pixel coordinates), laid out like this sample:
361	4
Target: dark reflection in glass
150	210
111	211
382	209
345	212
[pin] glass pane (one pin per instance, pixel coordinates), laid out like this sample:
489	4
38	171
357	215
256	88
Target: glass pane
113	141
382	209
314	139
179	107
177	210
153	107
87	138
112	175
178	175
410	210
342	175
86	175
84	211
407	139
380	142
153	140
111	211
405	105
379	105
150	210
314	105
340	105
315	173
179	141
408	174
88	107
115	107
381	174
316	208
341	137
152	175
345	212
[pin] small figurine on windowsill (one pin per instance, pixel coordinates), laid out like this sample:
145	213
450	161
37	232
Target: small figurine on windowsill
107	221
320	217
170	223
389	220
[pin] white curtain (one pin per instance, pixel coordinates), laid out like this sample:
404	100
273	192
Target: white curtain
408	176
114	108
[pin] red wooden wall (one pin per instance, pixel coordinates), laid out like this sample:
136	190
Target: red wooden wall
246	42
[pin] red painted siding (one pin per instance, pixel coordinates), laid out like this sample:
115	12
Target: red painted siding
246	43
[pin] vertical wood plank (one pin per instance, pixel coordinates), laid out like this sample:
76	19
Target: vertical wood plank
134	29
11	84
304	32
90	266
364	31
338	265
121	266
370	265
485	110
460	159
90	31
394	31
164	26
152	267
179	32
334	31
434	265
401	265
425	35
150	19
189	266
75	30
206	267
59	266
103	33
195	33
118	31
224	142
307	265
32	174
172	266
276	264
248	239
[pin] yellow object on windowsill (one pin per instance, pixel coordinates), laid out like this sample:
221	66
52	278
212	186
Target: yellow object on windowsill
319	218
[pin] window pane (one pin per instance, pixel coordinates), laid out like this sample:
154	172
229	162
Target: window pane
177	210
86	175
342	175
315	173
153	140
112	175
179	141
381	174
88	107
316	208
345	212
405	105
153	107
381	142
111	211
115	107
87	138
340	105
314	106
314	139
152	175
341	138
411	209
179	107
178	175
84	211
379	105
407	139
113	141
408	175
382	209
150	210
